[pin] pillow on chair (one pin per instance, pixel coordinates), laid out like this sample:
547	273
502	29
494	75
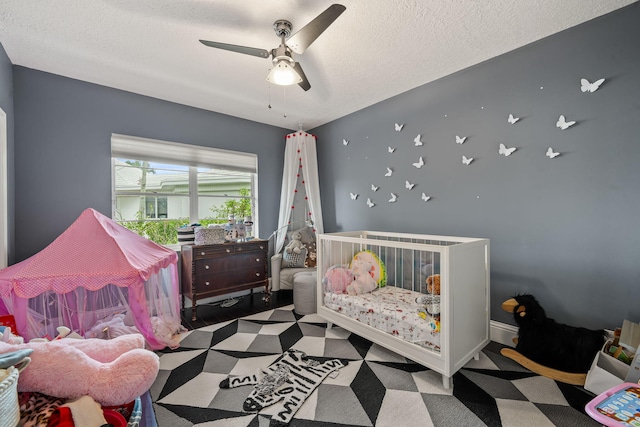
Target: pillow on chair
294	260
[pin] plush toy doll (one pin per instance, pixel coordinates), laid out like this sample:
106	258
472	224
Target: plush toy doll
363	278
312	255
296	244
337	278
433	284
549	343
112	372
111	328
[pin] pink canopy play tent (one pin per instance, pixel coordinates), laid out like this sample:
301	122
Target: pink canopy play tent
96	275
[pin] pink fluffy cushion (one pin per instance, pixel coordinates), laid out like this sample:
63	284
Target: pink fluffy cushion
113	372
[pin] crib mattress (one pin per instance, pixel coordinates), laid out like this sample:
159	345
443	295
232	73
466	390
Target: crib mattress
390	309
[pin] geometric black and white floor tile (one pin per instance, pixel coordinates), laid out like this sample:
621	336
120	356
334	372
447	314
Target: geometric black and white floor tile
376	388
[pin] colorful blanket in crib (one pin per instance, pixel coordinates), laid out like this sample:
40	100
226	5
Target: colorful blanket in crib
390	309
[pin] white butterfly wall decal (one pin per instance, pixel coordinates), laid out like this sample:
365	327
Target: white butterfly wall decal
512	119
417	141
389	172
370	203
585	86
425	197
374	188
393	198
354	196
345	142
506	151
399	127
391	150
460	140
551	154
563	124
466	160
408	185
420	163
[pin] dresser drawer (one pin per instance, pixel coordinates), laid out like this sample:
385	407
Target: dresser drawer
225	249
238	262
229	279
213	251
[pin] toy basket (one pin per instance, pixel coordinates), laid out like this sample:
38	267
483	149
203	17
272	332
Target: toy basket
209	235
9	407
136	414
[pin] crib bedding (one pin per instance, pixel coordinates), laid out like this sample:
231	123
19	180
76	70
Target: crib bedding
390	309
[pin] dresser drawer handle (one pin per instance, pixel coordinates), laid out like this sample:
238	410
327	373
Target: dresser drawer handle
207	283
228	250
258	274
239	249
206	267
257	259
261	246
202	253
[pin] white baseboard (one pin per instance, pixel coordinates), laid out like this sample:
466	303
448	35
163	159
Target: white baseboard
502	333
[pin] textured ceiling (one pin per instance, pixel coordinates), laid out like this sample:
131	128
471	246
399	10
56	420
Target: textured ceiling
376	49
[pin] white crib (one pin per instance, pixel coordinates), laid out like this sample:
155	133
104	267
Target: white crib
390	315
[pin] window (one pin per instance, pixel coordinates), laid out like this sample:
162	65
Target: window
159	186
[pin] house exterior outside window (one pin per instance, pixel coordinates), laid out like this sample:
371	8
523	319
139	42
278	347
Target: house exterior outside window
154	193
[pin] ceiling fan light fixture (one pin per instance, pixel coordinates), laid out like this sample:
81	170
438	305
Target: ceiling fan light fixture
283	73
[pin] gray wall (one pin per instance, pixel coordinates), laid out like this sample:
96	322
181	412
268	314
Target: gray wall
63	152
564	229
6	103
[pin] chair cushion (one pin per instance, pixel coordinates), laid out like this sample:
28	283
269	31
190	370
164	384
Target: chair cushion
287	274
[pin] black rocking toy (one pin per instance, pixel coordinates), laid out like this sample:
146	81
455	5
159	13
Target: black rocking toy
546	347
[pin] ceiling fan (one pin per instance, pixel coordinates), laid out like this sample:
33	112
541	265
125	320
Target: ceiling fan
285	70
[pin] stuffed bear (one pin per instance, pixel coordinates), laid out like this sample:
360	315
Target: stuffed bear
363	277
296	244
112	372
337	279
312	255
433	284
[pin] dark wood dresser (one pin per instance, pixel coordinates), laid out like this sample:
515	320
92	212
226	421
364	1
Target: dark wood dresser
211	270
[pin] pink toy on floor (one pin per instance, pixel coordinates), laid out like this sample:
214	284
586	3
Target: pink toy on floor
113	372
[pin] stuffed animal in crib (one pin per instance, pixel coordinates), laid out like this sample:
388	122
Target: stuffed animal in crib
113	372
549	343
337	278
433	284
296	244
363	272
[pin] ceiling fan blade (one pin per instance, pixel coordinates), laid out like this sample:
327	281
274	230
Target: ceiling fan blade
262	53
301	40
304	84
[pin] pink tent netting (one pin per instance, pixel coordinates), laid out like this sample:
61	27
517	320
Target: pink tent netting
96	275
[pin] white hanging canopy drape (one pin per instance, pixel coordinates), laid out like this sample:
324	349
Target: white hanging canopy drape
300	148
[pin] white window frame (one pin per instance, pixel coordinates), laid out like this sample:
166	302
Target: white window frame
194	156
